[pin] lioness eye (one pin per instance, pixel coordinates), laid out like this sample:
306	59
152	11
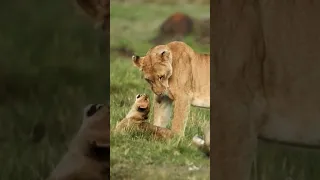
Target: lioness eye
161	77
138	96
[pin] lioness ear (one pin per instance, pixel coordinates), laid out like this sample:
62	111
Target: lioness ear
166	55
136	61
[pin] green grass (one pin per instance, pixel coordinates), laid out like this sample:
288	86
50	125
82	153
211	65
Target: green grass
135	156
50	68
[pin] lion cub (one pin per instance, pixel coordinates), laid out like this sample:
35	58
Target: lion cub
136	119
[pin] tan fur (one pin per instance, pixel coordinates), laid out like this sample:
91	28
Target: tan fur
266	80
177	74
136	119
79	163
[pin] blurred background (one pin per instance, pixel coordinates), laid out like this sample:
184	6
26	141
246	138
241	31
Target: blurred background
135	27
51	66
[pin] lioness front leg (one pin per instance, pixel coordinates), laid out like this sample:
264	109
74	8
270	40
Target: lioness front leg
162	109
180	115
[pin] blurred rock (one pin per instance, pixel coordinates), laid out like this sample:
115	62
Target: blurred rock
175	27
179	25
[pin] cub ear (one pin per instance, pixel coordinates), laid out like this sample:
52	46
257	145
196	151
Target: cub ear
137	61
166	55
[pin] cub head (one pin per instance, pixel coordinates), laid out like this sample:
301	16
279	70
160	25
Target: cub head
156	67
142	104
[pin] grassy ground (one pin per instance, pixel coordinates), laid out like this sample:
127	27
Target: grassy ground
50	68
134	156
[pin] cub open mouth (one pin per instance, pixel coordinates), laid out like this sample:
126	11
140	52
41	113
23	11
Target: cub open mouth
140	109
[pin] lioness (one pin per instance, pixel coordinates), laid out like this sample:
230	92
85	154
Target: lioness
137	119
88	155
176	73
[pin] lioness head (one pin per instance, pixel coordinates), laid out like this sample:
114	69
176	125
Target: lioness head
156	67
142	105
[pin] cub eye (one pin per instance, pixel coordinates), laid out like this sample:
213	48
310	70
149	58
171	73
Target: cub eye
138	96
161	78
